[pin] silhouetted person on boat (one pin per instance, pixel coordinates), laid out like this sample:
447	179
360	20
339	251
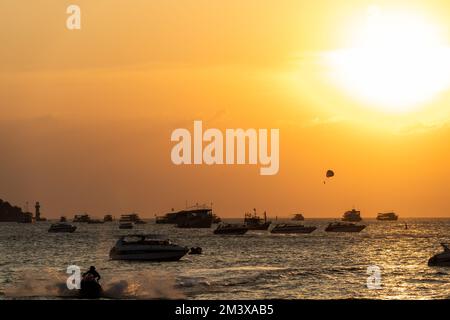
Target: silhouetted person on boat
92	272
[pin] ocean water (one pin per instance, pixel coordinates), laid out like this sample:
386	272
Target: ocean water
257	265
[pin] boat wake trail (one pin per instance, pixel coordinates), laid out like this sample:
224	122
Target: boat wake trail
51	284
142	285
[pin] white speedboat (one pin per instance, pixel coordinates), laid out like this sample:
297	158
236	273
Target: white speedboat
62	227
441	259
146	248
292	228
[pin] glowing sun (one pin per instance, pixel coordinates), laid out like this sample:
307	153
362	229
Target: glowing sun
396	63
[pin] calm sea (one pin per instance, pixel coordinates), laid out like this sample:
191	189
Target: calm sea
257	265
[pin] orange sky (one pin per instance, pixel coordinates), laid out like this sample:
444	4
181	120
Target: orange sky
87	114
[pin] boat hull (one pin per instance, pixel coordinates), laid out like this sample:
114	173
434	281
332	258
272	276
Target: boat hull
440	260
303	230
236	231
63	230
262	226
345	229
148	255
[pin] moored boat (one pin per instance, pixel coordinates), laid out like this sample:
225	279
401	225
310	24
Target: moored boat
255	222
292	228
352	216
388	216
344	227
62	227
228	228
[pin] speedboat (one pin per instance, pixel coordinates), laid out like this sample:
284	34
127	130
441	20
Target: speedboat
90	288
148	247
441	259
126	225
62	227
388	216
226	228
352	216
344	227
291	228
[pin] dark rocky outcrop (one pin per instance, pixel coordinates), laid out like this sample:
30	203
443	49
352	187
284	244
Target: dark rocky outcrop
10	213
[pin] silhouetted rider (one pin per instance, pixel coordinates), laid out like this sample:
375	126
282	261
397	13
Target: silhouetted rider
92	272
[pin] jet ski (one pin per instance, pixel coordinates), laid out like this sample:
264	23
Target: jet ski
90	288
441	259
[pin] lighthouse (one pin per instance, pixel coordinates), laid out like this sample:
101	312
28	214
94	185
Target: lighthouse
37	215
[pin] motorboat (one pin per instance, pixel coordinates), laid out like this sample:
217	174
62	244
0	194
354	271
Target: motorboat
150	247
352	216
344	227
255	222
298	217
62	227
125	225
226	228
198	216
388	216
292	228
441	259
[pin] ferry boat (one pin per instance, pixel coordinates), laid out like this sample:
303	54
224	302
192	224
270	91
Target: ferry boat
62	227
254	222
388	216
292	228
81	218
228	228
198	216
352	216
344	227
147	248
298	217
